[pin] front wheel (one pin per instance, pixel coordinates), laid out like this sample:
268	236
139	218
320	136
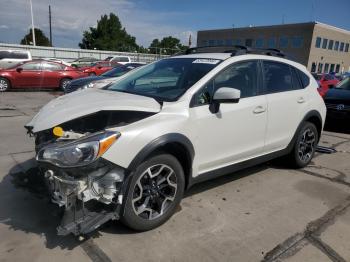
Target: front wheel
4	84
304	146
156	188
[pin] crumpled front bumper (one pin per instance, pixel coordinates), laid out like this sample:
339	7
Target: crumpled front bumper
90	195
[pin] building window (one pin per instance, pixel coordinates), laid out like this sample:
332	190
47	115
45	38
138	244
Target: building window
212	42
283	42
313	67
320	67
271	42
237	41
326	67
336	45
205	43
324	43
337	68
330	44
341	49
259	43
249	42
347	47
220	42
318	42
229	42
331	69
297	41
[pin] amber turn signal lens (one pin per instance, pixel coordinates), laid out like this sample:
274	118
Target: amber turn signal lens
106	143
58	131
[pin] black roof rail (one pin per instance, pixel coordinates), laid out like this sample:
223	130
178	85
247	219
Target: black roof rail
235	50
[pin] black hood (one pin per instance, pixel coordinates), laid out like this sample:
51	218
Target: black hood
338	95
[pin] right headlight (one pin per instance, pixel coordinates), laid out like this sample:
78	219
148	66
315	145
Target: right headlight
79	153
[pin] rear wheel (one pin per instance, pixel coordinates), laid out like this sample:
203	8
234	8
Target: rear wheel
305	146
156	188
4	84
64	83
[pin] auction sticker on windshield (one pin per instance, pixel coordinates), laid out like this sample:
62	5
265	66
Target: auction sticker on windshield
206	61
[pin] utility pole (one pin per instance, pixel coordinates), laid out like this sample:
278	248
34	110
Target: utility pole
33	33
50	25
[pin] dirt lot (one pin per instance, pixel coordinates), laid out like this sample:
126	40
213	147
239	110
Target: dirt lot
265	213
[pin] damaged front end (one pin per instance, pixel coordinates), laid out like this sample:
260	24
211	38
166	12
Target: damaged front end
71	136
89	188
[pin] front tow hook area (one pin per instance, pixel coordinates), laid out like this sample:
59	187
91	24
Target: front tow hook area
83	218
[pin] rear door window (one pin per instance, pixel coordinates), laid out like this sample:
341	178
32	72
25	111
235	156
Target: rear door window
51	67
277	77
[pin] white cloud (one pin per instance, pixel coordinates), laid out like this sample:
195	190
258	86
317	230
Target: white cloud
4	27
69	20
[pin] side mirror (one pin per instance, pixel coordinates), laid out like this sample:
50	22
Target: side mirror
19	69
224	95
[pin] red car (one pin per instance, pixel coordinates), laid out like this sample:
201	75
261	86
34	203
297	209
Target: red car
38	74
325	81
99	68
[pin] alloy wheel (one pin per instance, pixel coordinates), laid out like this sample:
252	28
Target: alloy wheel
3	85
154	192
306	146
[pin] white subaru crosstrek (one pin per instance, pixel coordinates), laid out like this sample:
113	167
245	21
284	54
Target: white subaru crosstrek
129	151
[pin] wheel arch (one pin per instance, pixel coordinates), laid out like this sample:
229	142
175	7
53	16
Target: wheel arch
175	144
312	116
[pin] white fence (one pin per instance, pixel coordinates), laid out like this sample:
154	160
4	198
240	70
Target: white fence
71	54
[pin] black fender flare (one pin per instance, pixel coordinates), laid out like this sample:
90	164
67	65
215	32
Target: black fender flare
159	142
312	113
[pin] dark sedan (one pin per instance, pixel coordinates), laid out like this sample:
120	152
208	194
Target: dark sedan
94	81
338	101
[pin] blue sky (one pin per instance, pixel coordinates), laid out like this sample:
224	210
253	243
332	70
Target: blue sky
151	19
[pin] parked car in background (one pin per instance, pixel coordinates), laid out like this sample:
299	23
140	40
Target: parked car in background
325	82
83	61
10	58
100	81
337	101
120	59
99	68
38	74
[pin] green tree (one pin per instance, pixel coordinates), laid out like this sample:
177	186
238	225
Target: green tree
108	35
40	38
168	45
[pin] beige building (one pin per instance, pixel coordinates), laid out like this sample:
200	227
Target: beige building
320	47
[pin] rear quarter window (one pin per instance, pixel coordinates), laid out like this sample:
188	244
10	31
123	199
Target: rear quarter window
305	79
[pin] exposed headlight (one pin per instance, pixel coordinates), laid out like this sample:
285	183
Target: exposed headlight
80	152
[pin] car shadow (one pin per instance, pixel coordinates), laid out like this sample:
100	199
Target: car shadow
27	207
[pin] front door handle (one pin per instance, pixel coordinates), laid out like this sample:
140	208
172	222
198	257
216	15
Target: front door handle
301	100
259	110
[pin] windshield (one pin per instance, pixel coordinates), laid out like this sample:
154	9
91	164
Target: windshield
165	80
345	84
116	71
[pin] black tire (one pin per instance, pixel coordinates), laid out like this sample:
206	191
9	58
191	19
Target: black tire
63	83
143	221
304	146
4	84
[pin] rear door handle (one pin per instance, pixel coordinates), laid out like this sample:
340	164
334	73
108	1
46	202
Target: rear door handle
259	110
301	100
